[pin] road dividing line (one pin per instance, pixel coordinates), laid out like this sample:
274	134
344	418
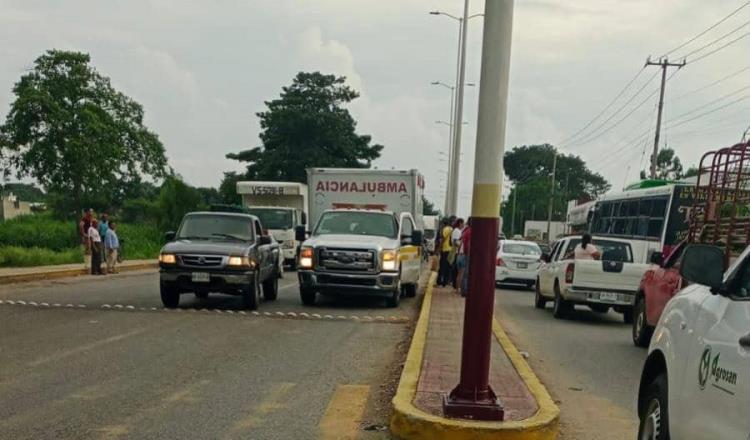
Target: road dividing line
82	348
344	413
276	399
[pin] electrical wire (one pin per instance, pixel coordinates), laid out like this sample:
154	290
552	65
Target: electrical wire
719	48
708	104
707	30
718	81
710	111
715	41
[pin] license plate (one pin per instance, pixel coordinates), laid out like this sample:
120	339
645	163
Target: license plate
608	296
201	277
523	265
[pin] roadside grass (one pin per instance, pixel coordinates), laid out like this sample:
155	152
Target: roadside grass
38	240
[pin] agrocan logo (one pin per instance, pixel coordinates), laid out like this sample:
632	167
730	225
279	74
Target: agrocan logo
704	368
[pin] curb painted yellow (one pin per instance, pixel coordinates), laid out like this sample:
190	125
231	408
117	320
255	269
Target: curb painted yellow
67	273
410	422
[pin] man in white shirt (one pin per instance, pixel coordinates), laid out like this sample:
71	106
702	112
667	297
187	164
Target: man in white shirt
96	248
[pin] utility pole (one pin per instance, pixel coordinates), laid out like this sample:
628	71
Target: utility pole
551	196
473	397
664	63
458	115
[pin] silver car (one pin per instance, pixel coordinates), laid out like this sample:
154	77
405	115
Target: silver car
517	262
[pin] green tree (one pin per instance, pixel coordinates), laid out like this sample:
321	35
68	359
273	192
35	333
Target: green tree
209	196
428	208
228	188
176	199
529	167
668	166
691	172
76	135
308	127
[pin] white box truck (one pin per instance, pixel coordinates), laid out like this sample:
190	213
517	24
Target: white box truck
281	207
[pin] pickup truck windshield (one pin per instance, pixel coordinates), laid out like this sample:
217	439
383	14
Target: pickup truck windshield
611	250
215	227
357	223
521	249
273	218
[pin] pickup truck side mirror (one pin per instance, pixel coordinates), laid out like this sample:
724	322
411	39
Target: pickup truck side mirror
300	233
703	264
169	236
264	240
545	258
303	218
656	258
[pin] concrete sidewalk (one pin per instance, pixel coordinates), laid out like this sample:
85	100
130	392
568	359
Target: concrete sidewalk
432	369
35	273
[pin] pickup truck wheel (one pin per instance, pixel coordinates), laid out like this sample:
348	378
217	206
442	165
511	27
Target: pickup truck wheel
641	330
251	294
627	316
271	288
307	296
170	297
655	419
539	301
561	307
393	300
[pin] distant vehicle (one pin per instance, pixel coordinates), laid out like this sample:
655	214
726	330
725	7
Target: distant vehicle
219	252
611	282
431	224
281	207
544	247
517	262
367	235
694	382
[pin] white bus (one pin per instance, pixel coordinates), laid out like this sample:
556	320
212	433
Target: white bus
652	215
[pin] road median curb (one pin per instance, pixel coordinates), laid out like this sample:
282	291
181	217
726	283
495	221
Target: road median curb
410	422
68	273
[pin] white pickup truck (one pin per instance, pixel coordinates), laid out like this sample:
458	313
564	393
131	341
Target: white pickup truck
611	282
694	384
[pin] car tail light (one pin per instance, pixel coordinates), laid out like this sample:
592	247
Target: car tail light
569	272
499	262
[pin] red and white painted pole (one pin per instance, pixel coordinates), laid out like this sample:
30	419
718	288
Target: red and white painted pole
473	397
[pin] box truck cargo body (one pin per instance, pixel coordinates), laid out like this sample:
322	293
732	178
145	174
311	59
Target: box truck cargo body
353	188
281	207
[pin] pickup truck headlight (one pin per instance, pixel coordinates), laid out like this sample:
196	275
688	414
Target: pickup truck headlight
167	259
240	262
289	244
389	260
306	258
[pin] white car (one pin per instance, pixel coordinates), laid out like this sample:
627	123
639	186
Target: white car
695	383
517	262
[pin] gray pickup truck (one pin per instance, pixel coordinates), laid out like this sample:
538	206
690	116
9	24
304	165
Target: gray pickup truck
219	252
360	252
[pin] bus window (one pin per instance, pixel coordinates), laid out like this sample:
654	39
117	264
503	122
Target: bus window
644	208
655	227
623	211
620	226
642	229
658	208
633	208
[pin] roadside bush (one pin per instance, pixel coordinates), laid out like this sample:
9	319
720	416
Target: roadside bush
14	256
39	231
140	241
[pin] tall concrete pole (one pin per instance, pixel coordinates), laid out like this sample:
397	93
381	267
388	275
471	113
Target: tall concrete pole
664	63
473	397
551	196
446	205
458	114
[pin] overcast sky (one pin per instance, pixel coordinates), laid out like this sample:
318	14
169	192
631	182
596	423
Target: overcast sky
203	69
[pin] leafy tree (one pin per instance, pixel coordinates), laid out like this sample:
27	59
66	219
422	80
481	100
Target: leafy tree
529	167
691	172
176	199
668	166
228	188
25	192
209	196
76	135
428	208
308	127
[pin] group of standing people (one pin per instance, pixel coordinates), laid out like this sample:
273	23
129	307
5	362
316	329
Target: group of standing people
452	248
99	241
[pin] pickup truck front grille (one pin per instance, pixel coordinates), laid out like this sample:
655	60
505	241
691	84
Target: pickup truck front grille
205	261
347	260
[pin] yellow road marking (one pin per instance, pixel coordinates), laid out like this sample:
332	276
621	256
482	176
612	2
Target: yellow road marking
344	413
73	351
275	400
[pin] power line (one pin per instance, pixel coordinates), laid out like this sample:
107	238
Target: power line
715	41
708	104
719	48
718	81
611	102
707	30
710	111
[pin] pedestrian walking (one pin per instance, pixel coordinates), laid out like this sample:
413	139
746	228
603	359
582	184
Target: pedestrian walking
96	248
458	227
445	249
111	247
83	232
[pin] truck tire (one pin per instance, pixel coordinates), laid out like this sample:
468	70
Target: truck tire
307	296
251	294
654	422
641	330
562	308
393	300
627	316
170	297
539	301
410	290
271	288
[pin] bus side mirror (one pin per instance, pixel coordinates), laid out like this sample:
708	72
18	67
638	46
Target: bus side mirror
300	233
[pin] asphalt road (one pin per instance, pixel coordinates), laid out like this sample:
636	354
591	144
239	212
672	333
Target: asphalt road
588	363
98	358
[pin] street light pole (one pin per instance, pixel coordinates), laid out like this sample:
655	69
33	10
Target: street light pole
473	397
